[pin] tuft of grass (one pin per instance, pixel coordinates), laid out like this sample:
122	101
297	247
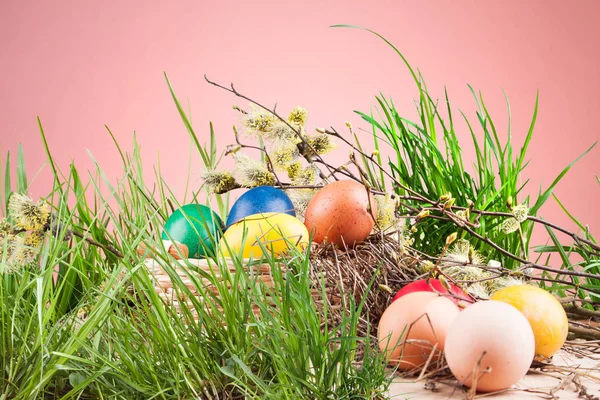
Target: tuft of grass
37	339
573	257
427	157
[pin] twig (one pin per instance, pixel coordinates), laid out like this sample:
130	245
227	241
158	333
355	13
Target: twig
91	241
583	391
334	133
561	281
577	238
274	113
584	333
527	263
367	186
578	300
475	377
584	312
55	227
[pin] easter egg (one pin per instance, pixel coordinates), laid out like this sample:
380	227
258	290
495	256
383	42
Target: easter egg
490	346
339	214
456	294
545	314
196	226
275	232
413	329
259	200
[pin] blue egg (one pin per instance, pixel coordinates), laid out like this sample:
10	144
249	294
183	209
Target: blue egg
262	199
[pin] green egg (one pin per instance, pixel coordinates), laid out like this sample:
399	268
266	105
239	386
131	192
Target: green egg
194	225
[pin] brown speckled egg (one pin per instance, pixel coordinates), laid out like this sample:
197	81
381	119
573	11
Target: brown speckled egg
338	214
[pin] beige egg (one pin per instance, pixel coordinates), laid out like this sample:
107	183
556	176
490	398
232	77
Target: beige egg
413	329
492	342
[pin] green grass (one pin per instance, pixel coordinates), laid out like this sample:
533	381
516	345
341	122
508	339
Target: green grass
573	257
132	345
427	157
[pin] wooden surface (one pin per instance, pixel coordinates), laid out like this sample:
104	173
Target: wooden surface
540	385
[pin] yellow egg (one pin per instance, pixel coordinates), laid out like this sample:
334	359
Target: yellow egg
276	232
546	316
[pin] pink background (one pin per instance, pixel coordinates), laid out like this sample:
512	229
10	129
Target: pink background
82	64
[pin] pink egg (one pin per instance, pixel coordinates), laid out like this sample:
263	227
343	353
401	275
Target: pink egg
492	342
415	326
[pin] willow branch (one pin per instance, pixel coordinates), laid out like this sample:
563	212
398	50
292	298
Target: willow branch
274	113
526	263
542	221
270	165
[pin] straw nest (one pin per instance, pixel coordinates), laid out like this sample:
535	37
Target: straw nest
371	272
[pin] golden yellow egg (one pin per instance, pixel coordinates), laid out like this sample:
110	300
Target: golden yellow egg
545	314
275	232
